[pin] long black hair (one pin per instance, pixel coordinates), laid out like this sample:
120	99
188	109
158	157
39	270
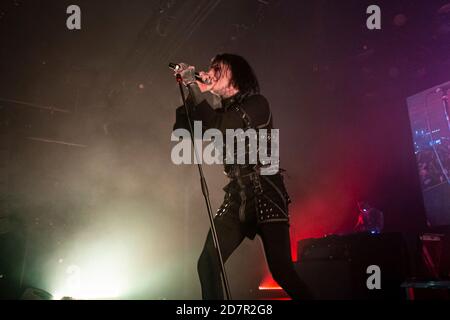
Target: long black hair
243	77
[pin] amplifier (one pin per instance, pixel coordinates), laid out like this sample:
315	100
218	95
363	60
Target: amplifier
336	267
435	255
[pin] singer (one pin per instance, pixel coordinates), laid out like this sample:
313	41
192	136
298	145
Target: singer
254	204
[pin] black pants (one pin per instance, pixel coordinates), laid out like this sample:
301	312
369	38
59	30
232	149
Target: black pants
277	247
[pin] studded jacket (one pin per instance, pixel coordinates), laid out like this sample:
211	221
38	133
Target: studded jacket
251	197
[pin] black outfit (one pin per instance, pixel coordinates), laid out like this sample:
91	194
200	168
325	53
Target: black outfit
253	203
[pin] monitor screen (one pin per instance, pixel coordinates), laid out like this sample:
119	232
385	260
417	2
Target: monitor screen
428	114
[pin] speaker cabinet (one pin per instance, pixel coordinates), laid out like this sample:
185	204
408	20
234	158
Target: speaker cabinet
336	267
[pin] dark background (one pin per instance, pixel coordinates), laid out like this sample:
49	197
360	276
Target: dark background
107	195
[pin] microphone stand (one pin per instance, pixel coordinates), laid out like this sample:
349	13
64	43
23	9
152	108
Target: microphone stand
205	195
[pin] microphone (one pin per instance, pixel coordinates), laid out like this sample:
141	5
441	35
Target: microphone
176	67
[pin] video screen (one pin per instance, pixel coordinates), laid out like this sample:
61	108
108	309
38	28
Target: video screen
428	113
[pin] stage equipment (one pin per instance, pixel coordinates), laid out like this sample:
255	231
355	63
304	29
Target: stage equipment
430	124
338	267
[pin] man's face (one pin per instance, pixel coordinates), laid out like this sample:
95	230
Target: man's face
221	77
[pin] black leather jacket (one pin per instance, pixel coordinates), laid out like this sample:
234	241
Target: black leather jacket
250	197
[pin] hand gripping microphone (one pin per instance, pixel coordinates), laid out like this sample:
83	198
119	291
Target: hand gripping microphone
176	67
